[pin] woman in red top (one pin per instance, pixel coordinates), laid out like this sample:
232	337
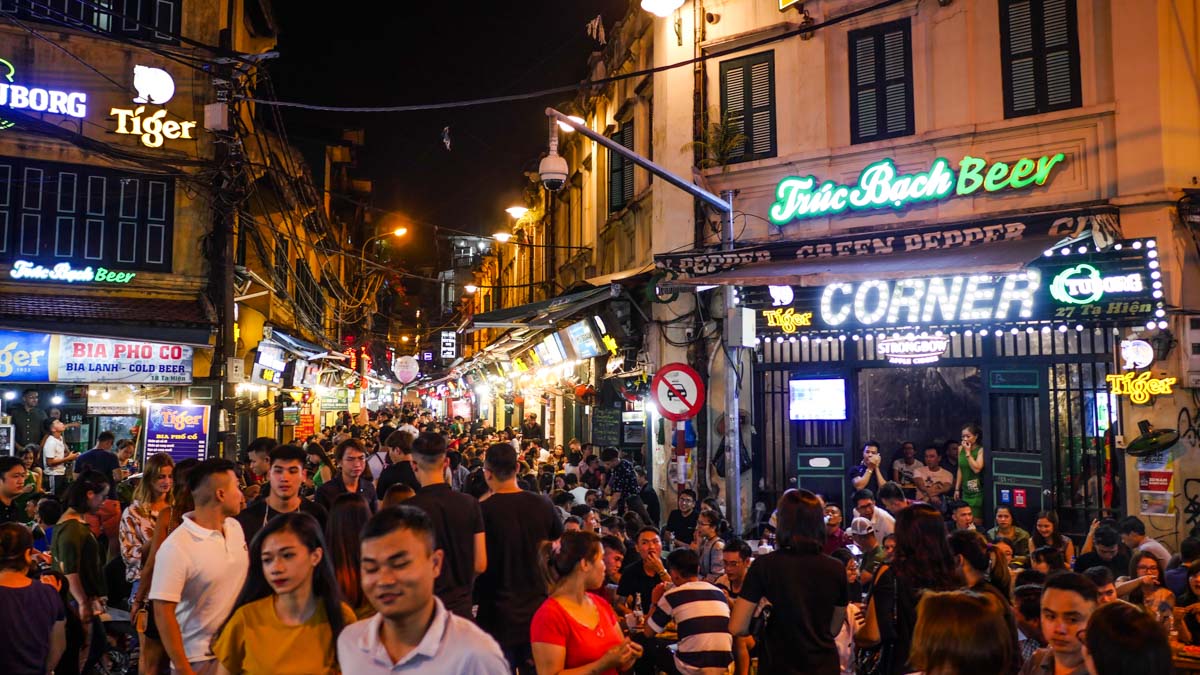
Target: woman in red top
575	631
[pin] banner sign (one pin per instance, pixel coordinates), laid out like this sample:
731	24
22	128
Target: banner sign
1048	290
1102	221
82	359
1156	484
24	357
307	426
42	357
179	430
335	400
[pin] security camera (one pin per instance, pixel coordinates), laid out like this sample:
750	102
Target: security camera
553	171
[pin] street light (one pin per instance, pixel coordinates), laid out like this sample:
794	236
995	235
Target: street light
567	128
470	289
517	212
661	8
398	232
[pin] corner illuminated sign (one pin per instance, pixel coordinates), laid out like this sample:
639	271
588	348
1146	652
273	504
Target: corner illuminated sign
880	186
154	87
38	99
64	272
1010	297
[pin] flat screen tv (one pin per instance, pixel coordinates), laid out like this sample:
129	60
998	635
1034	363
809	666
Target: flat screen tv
823	399
583	339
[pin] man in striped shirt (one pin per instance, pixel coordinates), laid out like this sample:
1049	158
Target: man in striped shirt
701	615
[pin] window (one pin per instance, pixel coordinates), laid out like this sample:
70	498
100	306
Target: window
280	271
85	215
310	299
620	171
748	102
881	82
1039	54
152	20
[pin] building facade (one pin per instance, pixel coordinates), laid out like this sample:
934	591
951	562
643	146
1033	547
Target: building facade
887	160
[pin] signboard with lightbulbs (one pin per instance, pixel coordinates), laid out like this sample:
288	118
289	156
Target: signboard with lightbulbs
1067	287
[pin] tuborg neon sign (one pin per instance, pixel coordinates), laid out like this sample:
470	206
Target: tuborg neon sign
1083	284
37	99
880	186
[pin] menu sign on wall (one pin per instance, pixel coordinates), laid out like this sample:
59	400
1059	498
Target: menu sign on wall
179	430
83	359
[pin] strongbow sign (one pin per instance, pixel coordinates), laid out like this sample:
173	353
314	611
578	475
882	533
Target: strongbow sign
911	351
880	186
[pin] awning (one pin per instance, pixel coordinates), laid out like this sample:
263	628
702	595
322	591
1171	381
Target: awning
184	322
546	312
302	348
996	258
622	275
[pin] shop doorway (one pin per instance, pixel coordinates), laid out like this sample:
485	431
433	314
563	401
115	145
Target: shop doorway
924	405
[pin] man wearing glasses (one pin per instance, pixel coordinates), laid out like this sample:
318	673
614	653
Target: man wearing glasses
1068	600
352	459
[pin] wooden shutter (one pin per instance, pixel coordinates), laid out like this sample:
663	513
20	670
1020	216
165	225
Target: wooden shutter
620	171
881	82
748	98
1039	43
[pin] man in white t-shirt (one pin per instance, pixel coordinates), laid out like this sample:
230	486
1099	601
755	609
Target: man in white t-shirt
200	568
1133	535
933	481
55	456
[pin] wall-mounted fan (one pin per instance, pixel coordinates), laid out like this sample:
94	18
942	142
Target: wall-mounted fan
1151	441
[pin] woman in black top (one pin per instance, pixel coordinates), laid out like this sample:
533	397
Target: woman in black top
923	561
807	591
1187	609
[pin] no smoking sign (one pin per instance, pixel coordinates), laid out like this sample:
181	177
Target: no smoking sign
677	392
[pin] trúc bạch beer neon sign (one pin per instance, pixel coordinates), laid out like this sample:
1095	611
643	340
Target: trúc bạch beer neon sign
881	187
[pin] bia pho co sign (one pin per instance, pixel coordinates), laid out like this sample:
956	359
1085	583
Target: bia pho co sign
1007	297
880	186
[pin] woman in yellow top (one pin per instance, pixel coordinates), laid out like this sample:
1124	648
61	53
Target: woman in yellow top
289	613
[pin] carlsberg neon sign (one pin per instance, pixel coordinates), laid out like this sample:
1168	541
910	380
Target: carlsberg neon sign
880	186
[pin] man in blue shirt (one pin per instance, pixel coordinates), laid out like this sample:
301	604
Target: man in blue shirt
101	459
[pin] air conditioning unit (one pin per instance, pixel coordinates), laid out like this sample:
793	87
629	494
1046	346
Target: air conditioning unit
1189	349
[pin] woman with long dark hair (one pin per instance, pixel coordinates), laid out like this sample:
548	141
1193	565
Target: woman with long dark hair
1121	640
32	618
1045	533
963	633
344	549
77	554
922	562
1150	593
576	628
289	613
807	591
984	570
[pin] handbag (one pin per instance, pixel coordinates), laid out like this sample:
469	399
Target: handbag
718	460
877	659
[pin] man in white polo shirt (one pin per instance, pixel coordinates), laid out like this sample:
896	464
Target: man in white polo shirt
200	568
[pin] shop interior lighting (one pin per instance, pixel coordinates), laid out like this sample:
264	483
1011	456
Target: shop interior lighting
10	395
186	401
57	399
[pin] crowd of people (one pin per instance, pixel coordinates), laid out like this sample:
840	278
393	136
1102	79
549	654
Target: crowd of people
396	542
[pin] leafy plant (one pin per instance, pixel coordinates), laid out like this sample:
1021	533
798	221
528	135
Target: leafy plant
723	140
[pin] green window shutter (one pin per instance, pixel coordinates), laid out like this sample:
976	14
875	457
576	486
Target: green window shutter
1039	53
881	82
748	99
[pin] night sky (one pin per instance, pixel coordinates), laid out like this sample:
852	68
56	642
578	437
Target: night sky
401	53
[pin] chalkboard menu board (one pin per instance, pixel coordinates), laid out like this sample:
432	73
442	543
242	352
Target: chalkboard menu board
606	426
